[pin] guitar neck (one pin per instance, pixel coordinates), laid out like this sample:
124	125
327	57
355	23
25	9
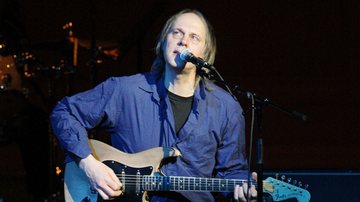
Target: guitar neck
175	183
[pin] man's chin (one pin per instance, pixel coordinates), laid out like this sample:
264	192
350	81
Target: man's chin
179	65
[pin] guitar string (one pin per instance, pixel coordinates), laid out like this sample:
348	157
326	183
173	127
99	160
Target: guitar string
178	178
134	180
182	178
185	187
174	177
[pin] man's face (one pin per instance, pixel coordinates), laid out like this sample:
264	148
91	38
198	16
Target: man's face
187	31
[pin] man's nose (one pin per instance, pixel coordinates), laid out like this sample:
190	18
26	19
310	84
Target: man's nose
184	41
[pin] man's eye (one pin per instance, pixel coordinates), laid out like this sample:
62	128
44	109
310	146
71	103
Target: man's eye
195	38
177	34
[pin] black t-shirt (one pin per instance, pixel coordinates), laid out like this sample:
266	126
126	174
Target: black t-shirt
181	107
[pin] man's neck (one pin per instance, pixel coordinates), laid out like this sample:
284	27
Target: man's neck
181	83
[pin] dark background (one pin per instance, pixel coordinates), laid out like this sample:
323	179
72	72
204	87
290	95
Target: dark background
302	55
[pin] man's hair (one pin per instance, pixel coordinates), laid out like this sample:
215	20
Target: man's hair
210	41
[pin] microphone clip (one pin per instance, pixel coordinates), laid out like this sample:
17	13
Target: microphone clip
204	72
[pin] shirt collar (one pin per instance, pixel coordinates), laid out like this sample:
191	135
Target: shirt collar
155	86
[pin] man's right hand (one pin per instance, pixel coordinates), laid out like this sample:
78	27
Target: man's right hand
101	177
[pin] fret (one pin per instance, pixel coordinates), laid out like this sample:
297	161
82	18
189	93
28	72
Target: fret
153	183
206	184
235	182
192	182
138	183
224	185
150	182
159	183
232	184
220	185
186	183
144	182
177	183
123	180
216	186
212	184
167	183
181	182
197	184
209	184
172	184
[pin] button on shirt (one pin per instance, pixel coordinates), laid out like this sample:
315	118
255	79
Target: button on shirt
137	113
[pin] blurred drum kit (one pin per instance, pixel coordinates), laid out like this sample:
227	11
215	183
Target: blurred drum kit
19	70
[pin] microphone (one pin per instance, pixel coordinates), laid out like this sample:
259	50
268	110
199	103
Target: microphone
187	56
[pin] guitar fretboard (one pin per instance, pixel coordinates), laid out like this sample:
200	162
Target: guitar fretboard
174	183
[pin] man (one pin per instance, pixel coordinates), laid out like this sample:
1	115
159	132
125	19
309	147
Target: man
170	106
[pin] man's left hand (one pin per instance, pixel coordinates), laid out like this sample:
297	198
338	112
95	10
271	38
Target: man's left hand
241	192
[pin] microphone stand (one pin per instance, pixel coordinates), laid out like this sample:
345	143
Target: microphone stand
258	104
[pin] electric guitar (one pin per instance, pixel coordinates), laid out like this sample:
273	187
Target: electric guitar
139	173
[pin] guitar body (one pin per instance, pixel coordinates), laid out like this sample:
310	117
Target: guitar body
77	186
139	173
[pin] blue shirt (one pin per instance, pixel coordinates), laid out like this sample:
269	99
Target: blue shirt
137	114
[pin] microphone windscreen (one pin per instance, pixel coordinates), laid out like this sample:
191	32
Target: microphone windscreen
184	54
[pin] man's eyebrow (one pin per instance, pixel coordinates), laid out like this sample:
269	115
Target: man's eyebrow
179	29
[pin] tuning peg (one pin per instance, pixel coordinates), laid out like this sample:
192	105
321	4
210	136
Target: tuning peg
283	177
300	184
277	176
288	180
306	186
295	182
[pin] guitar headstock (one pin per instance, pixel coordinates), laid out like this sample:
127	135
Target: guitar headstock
281	190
